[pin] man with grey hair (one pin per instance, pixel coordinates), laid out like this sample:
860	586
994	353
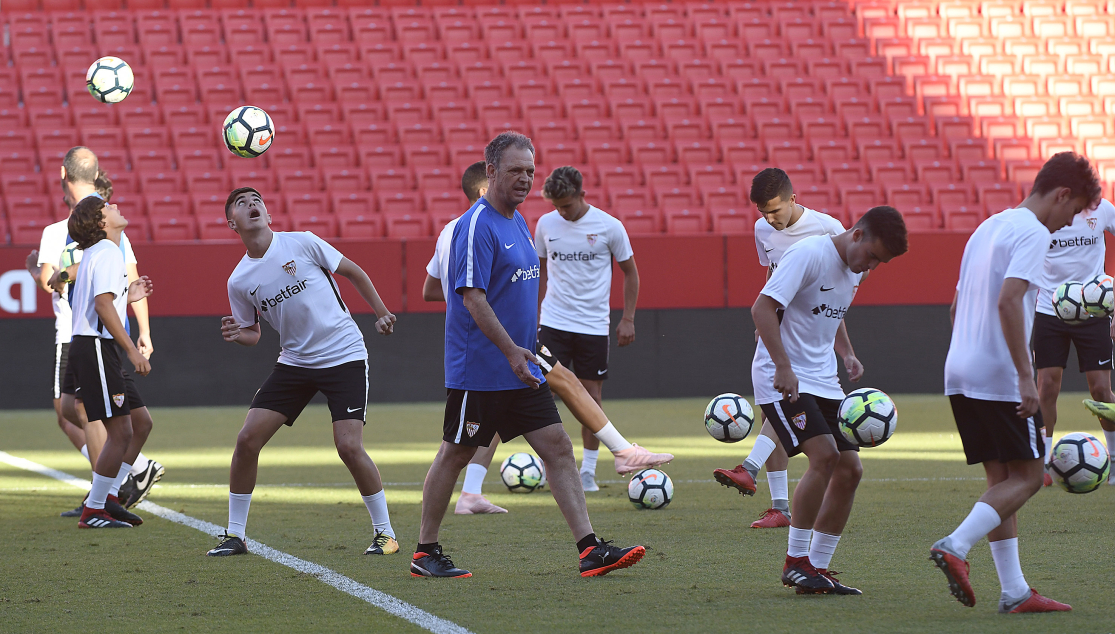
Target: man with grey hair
492	377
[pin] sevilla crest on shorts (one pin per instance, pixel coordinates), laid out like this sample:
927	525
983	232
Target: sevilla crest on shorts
118	399
799	421
472	428
291	267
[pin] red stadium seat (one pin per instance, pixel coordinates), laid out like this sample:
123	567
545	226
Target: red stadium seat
642	221
173	229
406	225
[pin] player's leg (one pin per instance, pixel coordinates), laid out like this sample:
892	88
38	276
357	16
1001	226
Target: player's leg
1049	388
1051	340
591	443
472	500
833	516
1099	385
348	436
74	433
144	472
1094	351
590	365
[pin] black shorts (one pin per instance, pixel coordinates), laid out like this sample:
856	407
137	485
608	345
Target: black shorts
98	377
1092	340
473	418
810	416
61	357
992	430
289	390
131	392
585	355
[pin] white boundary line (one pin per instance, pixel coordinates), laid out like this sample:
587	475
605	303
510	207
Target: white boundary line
381	600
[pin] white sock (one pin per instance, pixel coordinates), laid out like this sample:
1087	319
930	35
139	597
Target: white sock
125	469
85	451
1109	436
98	493
612	439
799	542
474	478
1005	554
1048	448
140	465
238	505
377	508
982	520
779	482
762	450
821	549
588	462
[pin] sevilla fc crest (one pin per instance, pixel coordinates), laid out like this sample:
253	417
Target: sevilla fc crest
591	239
472	428
1091	223
118	399
799	421
291	268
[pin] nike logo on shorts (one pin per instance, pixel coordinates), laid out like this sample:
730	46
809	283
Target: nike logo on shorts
354	409
1105	361
599	372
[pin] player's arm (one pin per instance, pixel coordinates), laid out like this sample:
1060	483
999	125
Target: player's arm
107	312
431	289
143	341
1012	317
843	347
476	301
32	264
231	331
765	314
385	324
625	331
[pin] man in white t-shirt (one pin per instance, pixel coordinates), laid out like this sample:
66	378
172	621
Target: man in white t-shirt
576	244
797	315
287	279
783	224
989	378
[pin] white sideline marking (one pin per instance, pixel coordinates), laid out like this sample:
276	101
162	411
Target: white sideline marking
381	600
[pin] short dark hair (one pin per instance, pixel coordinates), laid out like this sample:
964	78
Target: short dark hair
1069	169
493	153
81	165
104	185
235	193
85	222
473	179
769	184
563	182
885	224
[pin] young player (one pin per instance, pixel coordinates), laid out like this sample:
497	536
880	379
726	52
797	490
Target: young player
287	279
576	244
629	457
990	381
101	295
490	337
797	315
784	223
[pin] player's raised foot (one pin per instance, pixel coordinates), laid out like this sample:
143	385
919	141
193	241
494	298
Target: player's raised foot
772	518
1032	602
475	504
118	512
435	564
99	518
955	569
230	545
604	558
143	484
837	587
1046	479
799	573
382	544
1104	411
588	482
636	458
737	478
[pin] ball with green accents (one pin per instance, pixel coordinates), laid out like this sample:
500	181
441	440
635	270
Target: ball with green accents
248	131
867	417
71	255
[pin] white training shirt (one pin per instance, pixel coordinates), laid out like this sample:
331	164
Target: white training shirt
579	269
815	287
771	243
102	271
293	289
438	268
1012	243
1076	252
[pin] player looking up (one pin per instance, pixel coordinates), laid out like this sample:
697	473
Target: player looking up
989	378
287	279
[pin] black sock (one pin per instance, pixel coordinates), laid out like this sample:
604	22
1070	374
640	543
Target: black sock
588	541
426	548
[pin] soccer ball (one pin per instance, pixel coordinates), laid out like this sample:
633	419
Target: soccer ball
248	131
650	489
1068	303
68	259
1099	298
110	80
867	417
1080	463
729	418
522	473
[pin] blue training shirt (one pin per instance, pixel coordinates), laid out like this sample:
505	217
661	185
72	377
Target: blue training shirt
496	254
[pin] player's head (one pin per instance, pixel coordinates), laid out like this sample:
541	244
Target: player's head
773	194
878	237
104	185
564	188
79	174
92	219
1068	185
509	161
474	182
245	210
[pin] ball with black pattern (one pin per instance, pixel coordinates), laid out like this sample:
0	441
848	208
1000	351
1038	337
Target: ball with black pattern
522	473
729	418
248	131
109	80
1079	463
650	489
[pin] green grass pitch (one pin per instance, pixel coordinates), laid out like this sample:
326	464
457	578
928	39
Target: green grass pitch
705	570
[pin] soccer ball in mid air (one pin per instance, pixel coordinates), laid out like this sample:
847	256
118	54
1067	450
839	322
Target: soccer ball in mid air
248	131
1068	303
522	473
729	418
1079	463
1099	298
110	80
867	417
650	489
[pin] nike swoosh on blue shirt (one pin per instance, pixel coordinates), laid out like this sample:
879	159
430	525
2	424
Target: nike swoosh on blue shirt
508	246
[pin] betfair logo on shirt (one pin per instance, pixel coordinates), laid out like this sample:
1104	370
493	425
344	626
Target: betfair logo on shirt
572	257
1082	241
830	311
285	294
526	274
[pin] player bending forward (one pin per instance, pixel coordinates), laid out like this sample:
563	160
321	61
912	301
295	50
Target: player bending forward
287	279
813	287
989	379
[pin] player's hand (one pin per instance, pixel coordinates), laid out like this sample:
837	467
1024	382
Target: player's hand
140	289
854	367
142	365
786	382
143	344
230	329
1029	391
520	361
32	260
386	325
625	332
55	282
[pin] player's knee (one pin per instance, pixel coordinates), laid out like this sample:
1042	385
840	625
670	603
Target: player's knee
247	441
850	471
1099	392
350	452
824	459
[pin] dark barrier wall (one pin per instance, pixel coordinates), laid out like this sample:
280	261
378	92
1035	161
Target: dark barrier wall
686	352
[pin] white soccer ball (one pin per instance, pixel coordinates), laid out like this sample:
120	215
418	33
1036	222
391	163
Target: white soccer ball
650	489
729	418
1079	463
110	80
248	131
1068	303
867	417
1098	295
522	473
